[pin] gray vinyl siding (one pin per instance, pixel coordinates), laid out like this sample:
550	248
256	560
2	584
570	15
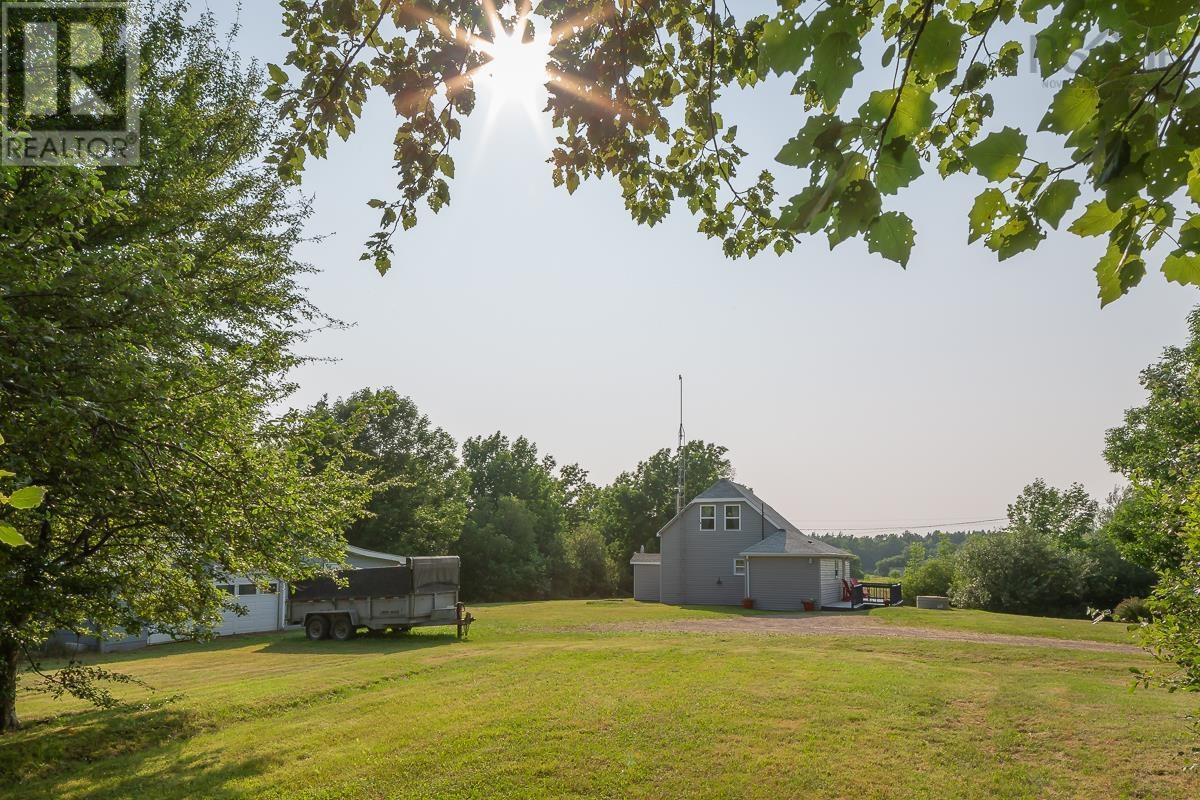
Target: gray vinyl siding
646	584
784	583
831	584
697	566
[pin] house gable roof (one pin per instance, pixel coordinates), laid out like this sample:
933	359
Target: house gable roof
787	539
646	558
730	490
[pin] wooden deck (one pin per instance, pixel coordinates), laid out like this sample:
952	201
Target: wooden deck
868	595
845	605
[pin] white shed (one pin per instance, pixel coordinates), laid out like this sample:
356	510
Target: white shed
647	576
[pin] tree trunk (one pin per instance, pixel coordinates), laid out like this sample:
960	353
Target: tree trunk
9	660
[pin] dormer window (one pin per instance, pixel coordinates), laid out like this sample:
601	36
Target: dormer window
708	518
733	518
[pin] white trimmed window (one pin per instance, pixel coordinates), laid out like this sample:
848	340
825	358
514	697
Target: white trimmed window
733	518
739	566
708	518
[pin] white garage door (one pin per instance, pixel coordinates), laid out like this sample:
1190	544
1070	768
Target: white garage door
262	607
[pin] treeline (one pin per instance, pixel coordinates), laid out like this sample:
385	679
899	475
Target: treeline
525	526
883	553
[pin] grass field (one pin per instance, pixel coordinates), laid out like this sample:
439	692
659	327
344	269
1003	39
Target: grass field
608	699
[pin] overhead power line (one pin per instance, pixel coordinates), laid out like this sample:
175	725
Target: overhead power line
907	527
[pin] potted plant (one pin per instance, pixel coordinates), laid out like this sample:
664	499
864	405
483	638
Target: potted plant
810	604
747	602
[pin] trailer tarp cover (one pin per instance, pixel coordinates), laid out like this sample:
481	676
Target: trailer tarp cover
373	582
434	571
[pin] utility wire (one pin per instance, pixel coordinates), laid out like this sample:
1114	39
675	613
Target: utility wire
907	527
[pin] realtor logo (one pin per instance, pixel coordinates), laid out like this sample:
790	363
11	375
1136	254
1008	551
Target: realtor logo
69	84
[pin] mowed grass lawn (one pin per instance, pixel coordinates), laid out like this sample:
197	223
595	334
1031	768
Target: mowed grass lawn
604	699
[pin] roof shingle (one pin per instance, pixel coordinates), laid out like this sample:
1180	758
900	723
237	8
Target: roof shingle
793	543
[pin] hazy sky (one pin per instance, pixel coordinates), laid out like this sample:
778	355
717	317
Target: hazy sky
849	392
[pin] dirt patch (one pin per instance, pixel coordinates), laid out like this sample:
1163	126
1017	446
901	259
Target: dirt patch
854	625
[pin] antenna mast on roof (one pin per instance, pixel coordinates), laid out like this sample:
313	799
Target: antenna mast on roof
682	479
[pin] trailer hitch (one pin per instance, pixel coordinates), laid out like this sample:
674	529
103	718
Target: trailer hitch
463	619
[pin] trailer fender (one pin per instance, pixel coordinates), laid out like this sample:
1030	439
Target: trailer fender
329	615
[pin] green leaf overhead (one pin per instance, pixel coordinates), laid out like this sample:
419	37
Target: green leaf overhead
1056	200
1182	267
785	45
988	206
10	536
1073	107
28	497
998	155
1096	219
940	46
1117	271
898	166
641	85
892	236
835	63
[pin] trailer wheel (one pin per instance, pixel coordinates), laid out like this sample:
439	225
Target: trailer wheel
341	629
403	628
316	628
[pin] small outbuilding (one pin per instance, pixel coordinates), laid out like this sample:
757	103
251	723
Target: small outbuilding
647	576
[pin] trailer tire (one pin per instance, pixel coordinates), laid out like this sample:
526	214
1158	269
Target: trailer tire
403	628
342	629
316	628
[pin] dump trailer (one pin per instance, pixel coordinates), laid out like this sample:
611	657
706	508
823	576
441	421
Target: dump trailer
422	591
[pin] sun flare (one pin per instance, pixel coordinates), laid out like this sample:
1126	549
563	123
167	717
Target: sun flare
516	70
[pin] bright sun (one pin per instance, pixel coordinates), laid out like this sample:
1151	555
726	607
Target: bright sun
516	70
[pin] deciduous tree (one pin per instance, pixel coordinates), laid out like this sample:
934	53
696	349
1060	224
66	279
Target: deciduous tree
420	500
502	470
1066	515
638	503
1158	450
148	315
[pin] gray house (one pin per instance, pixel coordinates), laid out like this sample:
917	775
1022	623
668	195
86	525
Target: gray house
727	545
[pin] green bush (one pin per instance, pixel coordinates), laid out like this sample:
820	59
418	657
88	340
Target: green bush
1132	610
930	577
1018	572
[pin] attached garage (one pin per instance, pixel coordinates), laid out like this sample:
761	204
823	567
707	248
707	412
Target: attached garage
647	576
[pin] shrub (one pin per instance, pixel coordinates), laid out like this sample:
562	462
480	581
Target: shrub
1018	572
931	577
1132	610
